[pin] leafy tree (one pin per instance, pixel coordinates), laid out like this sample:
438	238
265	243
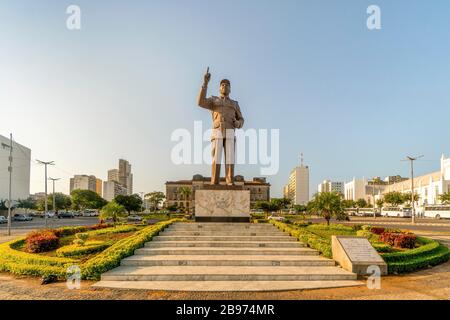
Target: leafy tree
348	203
361	203
113	210
394	198
131	203
3	205
86	199
62	202
28	203
280	203
328	205
263	205
299	208
407	197
445	197
380	203
155	198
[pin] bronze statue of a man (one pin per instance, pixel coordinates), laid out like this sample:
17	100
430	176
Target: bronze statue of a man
226	116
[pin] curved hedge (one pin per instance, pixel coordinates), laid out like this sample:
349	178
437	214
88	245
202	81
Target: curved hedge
18	262
89	247
430	253
21	263
111	257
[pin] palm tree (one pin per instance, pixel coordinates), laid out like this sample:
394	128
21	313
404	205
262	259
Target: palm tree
186	192
328	204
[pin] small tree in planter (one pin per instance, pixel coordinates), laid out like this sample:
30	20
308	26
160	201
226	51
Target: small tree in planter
114	211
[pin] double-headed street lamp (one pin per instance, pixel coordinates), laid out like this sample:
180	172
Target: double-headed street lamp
413	211
46	163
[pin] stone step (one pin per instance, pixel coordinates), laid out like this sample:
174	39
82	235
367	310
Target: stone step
226	260
221	233
227	286
226	273
253	226
224	244
226	251
281	238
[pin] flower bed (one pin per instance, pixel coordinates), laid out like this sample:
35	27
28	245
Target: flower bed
429	253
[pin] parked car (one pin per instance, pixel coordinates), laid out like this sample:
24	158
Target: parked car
90	213
22	217
277	218
78	213
49	214
134	218
66	215
3	219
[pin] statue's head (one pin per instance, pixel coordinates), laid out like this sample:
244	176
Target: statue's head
225	87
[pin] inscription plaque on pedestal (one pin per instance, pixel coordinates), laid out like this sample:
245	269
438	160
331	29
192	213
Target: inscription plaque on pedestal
222	204
356	254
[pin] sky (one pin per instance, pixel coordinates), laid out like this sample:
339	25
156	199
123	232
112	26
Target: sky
354	101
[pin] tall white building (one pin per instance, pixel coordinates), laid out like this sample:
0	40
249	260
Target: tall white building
297	188
331	186
21	170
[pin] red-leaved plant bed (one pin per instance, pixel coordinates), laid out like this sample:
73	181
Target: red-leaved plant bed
41	241
399	240
377	230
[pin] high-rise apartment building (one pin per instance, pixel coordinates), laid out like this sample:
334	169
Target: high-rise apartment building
111	189
297	188
99	186
113	175
83	182
125	175
331	186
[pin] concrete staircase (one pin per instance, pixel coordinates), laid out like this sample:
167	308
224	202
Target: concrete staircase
225	257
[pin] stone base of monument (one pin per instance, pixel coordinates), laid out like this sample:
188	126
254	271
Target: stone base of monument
356	254
220	203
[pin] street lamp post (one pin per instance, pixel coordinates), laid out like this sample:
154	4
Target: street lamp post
46	204
54	198
413	211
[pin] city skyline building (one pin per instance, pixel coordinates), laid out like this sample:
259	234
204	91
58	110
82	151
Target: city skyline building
83	182
20	178
297	188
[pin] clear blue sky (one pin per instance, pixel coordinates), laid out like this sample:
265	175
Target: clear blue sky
354	101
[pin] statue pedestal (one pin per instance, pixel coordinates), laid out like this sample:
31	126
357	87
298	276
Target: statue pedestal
220	203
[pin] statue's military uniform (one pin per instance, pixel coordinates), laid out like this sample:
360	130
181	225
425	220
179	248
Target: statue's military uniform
226	116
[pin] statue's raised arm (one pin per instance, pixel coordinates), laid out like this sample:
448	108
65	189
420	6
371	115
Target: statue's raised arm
202	101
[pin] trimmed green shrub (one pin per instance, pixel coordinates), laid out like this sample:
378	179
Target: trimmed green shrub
22	263
310	239
111	257
89	247
113	230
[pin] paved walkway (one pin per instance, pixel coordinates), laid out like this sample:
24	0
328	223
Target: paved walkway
430	284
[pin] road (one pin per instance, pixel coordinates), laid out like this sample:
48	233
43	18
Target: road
20	228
